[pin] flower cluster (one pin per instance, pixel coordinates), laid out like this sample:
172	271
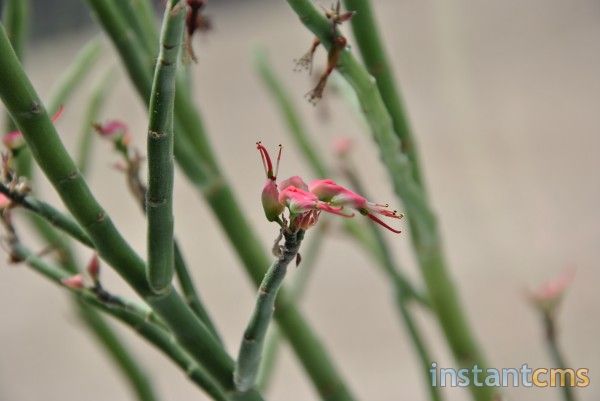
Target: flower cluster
305	202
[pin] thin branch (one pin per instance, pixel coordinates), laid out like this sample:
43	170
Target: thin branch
251	348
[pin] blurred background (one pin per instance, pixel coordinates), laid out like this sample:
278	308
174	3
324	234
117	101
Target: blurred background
503	98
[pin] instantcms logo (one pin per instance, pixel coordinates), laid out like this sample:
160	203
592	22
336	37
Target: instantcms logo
505	377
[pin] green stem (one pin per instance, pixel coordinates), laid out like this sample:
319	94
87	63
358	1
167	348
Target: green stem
61	92
94	107
424	232
195	157
26	109
49	213
250	353
556	354
135	320
15	17
296	290
367	36
159	197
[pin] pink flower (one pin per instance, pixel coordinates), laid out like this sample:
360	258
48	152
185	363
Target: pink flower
329	191
305	207
14	140
306	202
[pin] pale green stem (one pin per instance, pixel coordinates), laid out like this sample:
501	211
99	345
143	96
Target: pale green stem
27	111
296	290
195	157
558	358
159	197
424	231
15	17
251	348
92	113
134	319
366	34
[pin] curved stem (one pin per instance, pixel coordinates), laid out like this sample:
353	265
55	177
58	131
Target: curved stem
195	157
424	231
92	112
26	109
296	289
250	352
132	318
50	214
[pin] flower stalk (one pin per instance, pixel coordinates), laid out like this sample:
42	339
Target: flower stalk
251	348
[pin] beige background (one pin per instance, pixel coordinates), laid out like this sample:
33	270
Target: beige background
504	98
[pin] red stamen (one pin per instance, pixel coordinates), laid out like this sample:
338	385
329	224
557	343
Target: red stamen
381	223
266	159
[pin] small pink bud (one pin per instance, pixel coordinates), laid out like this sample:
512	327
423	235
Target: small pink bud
93	268
114	130
270	201
74	282
548	296
13	140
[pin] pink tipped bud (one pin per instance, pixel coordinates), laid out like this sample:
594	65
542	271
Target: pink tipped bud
270	201
13	140
548	296
74	282
342	146
93	268
114	130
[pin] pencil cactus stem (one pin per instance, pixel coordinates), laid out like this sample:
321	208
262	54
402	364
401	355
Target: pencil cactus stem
50	214
424	231
134	319
251	348
195	157
159	197
26	109
370	45
16	21
92	112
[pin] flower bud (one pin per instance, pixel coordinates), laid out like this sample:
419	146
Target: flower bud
270	201
74	282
